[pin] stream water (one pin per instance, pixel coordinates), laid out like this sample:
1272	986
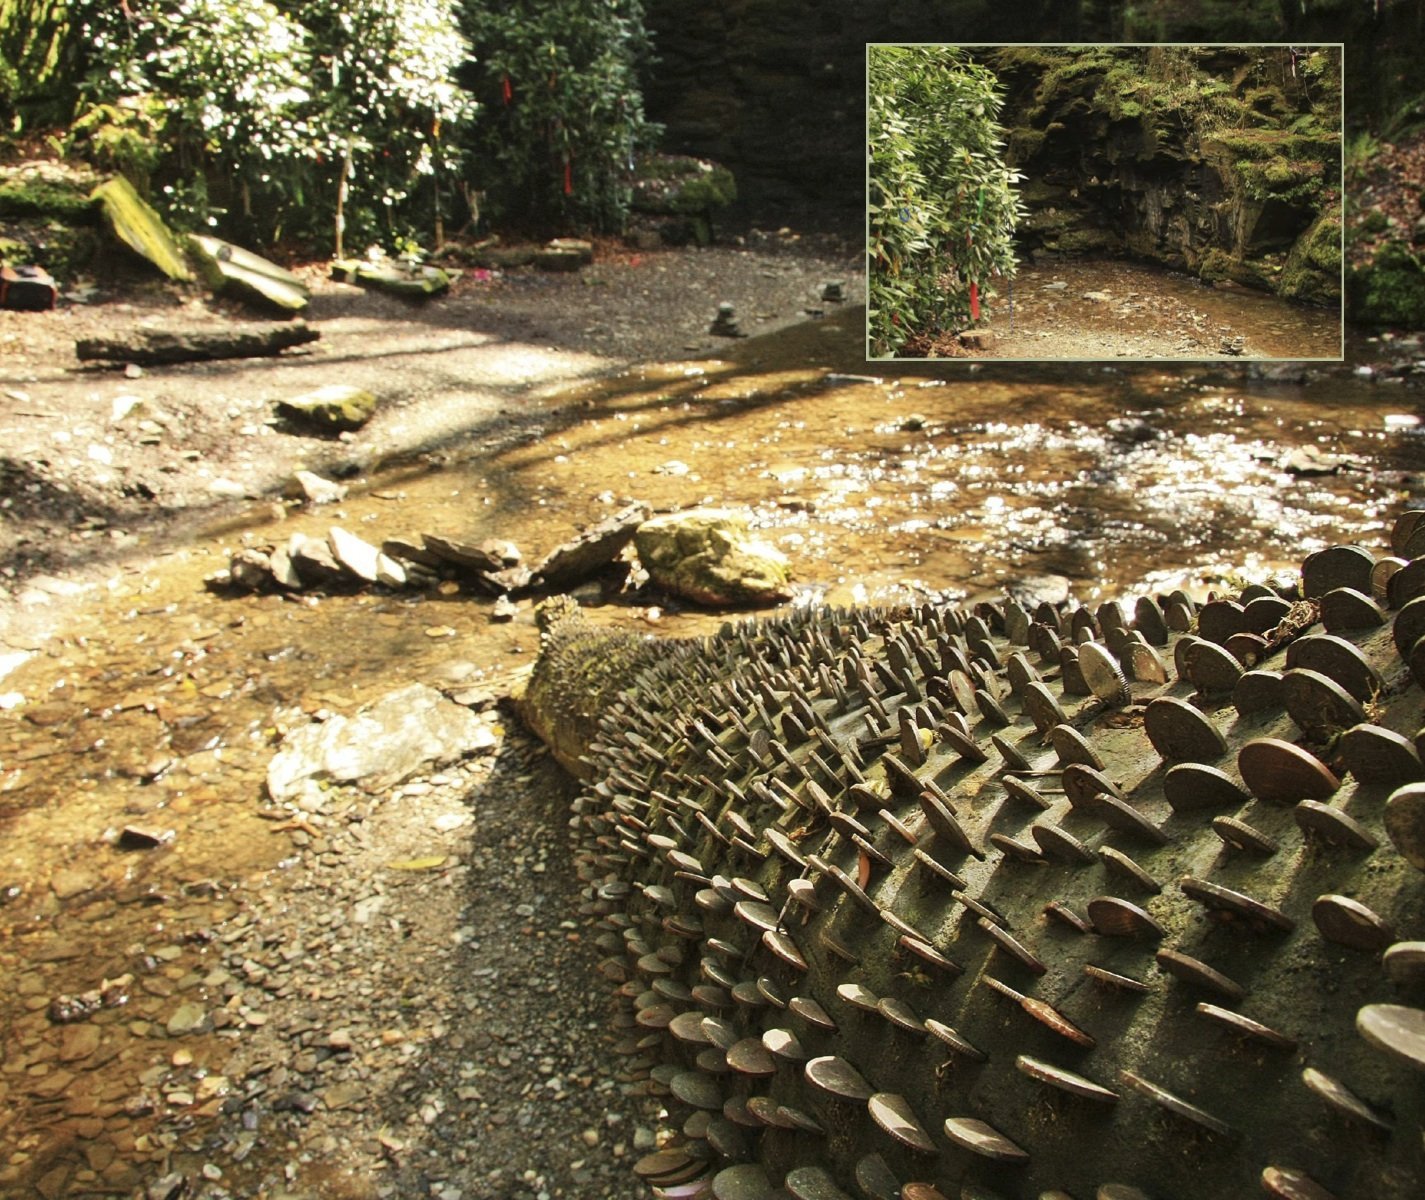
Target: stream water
161	703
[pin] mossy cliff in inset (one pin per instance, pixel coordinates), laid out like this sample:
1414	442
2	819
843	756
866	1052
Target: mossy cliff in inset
1221	161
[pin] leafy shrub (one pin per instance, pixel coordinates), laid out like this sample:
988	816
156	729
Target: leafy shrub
941	206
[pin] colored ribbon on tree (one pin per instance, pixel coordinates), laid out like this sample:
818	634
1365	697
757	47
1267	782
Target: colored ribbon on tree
569	176
505	90
974	301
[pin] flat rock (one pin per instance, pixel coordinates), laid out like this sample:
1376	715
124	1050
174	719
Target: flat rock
708	555
316	490
592	550
140	228
384	744
335	407
363	559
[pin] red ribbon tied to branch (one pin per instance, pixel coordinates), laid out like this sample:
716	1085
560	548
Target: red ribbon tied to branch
505	90
974	301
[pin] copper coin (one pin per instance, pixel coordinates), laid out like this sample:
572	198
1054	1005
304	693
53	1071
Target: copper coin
696	1089
746	1181
922	1191
812	1183
1121	918
1350	923
1012	848
1121	865
1057	910
1148	620
1212	670
851	888
750	1057
1264	613
1241	836
747	995
1249	649
1059	844
811	1012
665	1165
979	1138
771	992
1013	759
1113	979
1405	822
845	823
1043	710
1403	528
720	1033
1064	1080
1374	754
794	1118
688	1027
1277	770
1143	664
1346	609
937	868
734	1108
1084	784
1122	816
1071	674
1102	673
1012	946
1405	962
1048	1015
1218	620
927	953
1019	672
893	1114
896	826
1343	1100
1336	566
1190	786
1332	825
1182	733
803	892
1382	576
838	1077
1195	971
783	1044
1174	1104
780	943
1258	916
1257	692
1319	705
1405	583
953	1039
1409	626
757	914
900	1014
1246	1026
1017	789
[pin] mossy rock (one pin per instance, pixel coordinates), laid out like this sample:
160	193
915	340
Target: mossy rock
140	228
1313	268
1390	290
336	408
679	184
33	194
229	268
708	556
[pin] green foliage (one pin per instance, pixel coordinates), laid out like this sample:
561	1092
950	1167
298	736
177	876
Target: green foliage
250	115
941	205
36	58
562	114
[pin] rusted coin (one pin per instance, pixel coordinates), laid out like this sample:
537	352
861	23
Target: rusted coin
1336	566
1064	1080
1013	759
735	1109
1332	825
1257	692
1072	747
788	1117
1019	672
900	1014
1191	786
1374	754
1249	649
1143	664
1049	1016
1122	816
756	913
784	1044
838	1077
750	1057
1042	709
1277	770
851	888
1409	626
1396	1029
1346	609
1195	971
1264	613
1245	1026
1241	836
812	1183
1013	848
954	1040
1084	784
875	1179
697	1089
1210	668
1057	910
1404	528
1059	844
927	953
1174	1104
1017	789
1124	867
1405	822
1218	620
943	822
1344	1101
1382	576
811	1012
1350	923
1255	914
982	1139
1406	583
1122	983
937	869
746	1181
1319	705
780	943
1122	918
1102	674
1182	733
1148	620
893	1113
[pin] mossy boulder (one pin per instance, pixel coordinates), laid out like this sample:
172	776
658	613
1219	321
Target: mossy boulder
1313	267
136	224
229	268
1390	288
709	556
679	185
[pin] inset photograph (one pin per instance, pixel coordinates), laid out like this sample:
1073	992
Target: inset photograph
1031	202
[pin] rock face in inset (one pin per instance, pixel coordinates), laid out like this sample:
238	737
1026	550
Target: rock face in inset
708	556
385	743
1018	902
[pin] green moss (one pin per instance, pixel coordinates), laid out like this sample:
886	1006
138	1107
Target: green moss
29	196
1390	290
1313	268
677	184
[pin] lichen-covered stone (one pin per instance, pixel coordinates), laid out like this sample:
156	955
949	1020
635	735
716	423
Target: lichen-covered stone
136	224
708	556
679	185
335	407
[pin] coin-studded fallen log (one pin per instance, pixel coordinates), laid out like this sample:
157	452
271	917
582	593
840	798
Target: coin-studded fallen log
929	902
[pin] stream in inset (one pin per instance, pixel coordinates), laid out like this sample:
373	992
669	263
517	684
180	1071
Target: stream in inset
161	703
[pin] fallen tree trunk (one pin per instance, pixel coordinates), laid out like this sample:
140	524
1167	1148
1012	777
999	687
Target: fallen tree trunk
149	347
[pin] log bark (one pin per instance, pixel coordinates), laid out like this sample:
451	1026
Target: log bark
150	347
